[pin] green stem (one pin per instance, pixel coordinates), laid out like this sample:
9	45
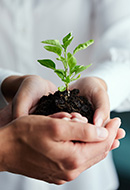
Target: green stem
73	77
66	69
67	88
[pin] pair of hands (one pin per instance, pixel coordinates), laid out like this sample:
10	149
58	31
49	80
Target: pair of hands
50	148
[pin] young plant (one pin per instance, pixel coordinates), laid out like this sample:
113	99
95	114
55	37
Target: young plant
71	70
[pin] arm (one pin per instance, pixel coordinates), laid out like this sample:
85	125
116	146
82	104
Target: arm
111	52
29	136
107	84
3	75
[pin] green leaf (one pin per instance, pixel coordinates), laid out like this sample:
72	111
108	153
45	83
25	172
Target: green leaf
67	37
60	73
54	49
62	59
67	40
71	69
67	80
71	61
67	43
73	79
61	88
83	46
47	63
79	68
52	42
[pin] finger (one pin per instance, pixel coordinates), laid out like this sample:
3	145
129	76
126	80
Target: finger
78	117
121	133
22	105
75	117
96	149
102	108
76	114
29	93
115	144
77	131
87	151
61	115
113	127
82	120
91	153
24	100
59	181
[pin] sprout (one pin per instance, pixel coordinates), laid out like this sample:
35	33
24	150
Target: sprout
71	70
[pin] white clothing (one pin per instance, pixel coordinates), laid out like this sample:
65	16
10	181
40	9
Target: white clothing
25	23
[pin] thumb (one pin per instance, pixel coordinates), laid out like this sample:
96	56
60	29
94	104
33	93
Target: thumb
24	100
102	108
21	105
75	131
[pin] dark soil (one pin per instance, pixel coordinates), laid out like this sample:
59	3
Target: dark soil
60	101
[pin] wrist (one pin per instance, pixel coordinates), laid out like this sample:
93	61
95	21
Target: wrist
6	147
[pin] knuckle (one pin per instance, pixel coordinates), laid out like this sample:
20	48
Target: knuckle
71	175
76	163
60	182
71	163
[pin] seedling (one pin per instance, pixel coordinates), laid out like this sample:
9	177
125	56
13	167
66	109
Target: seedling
71	70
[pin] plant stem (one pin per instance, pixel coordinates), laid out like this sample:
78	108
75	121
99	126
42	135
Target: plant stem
66	69
67	86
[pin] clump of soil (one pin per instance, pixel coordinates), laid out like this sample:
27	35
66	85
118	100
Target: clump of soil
60	101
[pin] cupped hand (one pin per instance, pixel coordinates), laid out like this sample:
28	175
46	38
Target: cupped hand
77	117
95	90
51	149
30	91
22	94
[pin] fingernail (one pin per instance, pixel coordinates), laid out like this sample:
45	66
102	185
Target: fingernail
118	121
85	120
78	120
99	122
101	132
66	118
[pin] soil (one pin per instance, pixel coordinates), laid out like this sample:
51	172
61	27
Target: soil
60	101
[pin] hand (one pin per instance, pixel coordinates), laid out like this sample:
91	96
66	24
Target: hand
25	91
95	90
29	93
76	117
53	150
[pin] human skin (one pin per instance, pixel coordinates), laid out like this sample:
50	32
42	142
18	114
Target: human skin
95	89
53	150
28	89
31	88
45	137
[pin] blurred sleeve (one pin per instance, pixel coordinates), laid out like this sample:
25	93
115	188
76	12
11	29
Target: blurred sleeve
3	75
112	51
